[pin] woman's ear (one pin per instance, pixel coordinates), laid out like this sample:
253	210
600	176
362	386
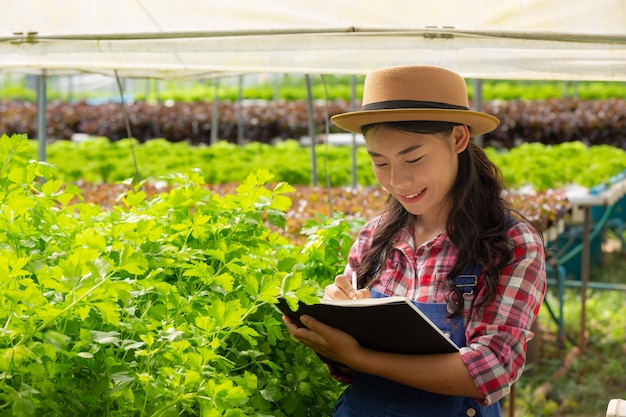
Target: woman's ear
460	137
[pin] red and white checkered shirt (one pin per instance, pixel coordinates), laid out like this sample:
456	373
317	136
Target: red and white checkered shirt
497	335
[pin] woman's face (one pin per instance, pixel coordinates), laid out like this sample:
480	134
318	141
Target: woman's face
417	169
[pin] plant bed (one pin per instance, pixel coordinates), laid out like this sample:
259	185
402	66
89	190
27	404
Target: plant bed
552	121
545	209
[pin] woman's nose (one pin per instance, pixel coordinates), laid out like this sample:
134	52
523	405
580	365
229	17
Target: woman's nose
400	177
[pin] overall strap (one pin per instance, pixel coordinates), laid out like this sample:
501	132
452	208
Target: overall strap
467	280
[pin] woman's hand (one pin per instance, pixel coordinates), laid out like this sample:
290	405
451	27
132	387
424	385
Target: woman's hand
325	340
342	289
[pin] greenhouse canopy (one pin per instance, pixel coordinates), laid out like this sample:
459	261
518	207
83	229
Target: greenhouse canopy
164	39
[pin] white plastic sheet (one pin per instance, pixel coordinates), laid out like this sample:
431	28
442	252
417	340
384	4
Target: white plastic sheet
504	39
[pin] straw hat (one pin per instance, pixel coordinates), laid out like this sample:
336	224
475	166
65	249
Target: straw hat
415	92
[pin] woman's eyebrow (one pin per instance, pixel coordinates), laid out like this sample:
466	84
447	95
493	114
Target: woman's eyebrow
409	149
402	152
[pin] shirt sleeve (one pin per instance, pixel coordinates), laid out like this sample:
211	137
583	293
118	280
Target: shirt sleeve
498	334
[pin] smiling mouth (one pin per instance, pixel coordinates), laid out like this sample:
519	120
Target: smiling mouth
409	196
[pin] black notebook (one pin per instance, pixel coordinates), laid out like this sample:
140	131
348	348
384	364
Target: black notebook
387	324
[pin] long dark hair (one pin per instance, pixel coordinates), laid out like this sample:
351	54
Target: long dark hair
477	224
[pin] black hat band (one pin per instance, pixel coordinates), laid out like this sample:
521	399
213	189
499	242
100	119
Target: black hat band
411	104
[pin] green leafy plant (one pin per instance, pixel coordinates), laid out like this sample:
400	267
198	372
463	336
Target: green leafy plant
328	241
557	166
157	307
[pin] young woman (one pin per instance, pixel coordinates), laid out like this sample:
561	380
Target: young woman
448	241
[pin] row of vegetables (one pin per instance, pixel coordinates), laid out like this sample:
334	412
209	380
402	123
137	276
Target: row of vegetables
552	121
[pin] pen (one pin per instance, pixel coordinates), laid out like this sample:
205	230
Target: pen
354	283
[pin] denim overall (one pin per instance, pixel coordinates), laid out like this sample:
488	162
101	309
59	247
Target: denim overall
372	396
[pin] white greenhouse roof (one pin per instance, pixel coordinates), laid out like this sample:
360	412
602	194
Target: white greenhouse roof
503	39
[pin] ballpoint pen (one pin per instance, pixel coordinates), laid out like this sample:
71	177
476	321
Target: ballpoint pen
354	283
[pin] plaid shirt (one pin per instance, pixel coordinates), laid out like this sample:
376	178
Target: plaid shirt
497	335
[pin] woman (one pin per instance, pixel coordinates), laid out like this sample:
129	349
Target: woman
448	241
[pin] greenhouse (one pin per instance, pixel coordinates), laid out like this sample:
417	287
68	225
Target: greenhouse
149	231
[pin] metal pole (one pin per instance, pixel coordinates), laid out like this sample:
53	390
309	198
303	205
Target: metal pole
146	89
240	132
276	93
354	147
215	117
584	277
478	104
70	88
309	95
157	90
561	294
41	115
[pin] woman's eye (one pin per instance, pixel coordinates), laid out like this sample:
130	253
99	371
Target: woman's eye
412	161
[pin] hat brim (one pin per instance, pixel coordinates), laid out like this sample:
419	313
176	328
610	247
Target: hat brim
478	123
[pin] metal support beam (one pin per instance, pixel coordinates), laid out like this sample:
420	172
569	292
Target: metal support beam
354	146
41	115
312	134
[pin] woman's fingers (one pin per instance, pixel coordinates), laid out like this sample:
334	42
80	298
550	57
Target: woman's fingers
340	289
